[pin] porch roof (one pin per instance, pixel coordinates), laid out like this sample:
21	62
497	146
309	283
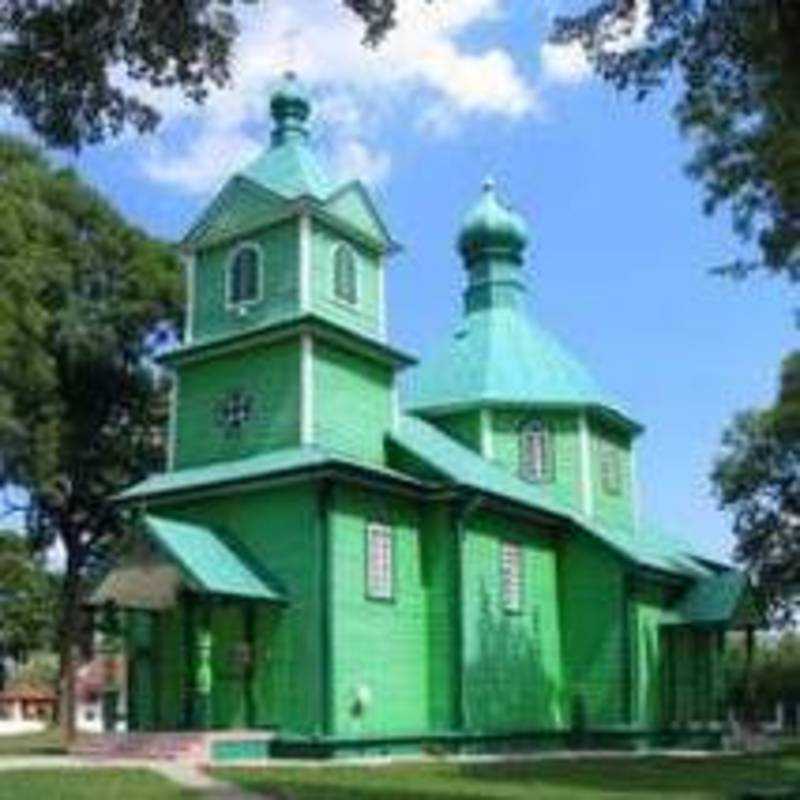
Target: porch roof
184	554
208	563
722	599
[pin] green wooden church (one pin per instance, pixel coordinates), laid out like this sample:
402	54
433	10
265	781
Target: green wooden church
355	569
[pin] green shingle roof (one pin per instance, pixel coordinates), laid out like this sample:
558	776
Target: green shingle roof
208	563
499	356
713	600
277	462
644	546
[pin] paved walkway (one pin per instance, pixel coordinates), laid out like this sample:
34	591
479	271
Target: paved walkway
186	775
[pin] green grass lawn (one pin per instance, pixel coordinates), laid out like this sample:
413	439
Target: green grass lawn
95	784
47	743
628	779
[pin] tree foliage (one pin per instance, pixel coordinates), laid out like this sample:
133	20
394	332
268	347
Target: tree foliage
28	595
757	479
78	71
82	409
738	68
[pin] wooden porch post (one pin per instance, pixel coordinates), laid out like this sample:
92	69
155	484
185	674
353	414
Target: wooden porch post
203	672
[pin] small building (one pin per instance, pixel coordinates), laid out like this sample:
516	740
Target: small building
467	567
28	704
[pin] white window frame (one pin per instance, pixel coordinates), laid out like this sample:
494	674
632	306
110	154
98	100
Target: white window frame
230	304
542	468
379	562
337	248
512	576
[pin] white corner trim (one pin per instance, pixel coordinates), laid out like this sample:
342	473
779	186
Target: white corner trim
304	233
306	389
586	466
636	489
189	262
172	423
395	404
487	448
382	322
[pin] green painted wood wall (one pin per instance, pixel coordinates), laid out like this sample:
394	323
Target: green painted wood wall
512	661
613	509
211	316
269	373
377	644
279	529
565	488
365	315
593	611
352	402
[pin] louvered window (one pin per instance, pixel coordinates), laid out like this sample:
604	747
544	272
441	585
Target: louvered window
537	457
512	577
380	562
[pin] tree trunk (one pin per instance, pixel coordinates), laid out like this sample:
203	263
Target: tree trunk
68	639
749	679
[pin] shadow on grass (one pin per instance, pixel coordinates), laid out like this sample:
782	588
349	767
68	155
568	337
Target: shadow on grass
46	743
643	779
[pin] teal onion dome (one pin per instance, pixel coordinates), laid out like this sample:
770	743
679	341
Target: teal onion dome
290	107
491	228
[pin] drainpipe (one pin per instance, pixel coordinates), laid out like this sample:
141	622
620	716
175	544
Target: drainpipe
462	512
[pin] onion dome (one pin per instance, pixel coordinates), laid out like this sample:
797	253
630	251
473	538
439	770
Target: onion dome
490	228
290	106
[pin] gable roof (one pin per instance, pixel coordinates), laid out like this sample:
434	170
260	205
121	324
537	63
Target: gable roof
499	356
644	546
239	204
353	202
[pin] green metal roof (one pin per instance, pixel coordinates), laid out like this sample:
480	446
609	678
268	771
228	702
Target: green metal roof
277	462
207	561
645	545
291	169
499	356
714	600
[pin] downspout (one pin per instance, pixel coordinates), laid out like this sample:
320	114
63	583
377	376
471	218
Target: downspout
462	512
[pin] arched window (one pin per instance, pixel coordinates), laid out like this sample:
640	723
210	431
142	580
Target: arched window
537	457
345	274
244	279
610	469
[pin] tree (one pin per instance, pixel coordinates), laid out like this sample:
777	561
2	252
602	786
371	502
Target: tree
27	599
75	69
83	296
738	64
757	479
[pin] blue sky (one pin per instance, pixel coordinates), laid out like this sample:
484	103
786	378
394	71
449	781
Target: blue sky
619	263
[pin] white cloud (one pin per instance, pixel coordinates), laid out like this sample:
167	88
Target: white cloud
565	63
569	64
421	69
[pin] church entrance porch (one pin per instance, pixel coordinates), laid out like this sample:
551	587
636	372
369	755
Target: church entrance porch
196	621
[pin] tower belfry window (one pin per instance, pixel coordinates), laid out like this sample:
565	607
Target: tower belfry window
244	280
537	457
345	274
